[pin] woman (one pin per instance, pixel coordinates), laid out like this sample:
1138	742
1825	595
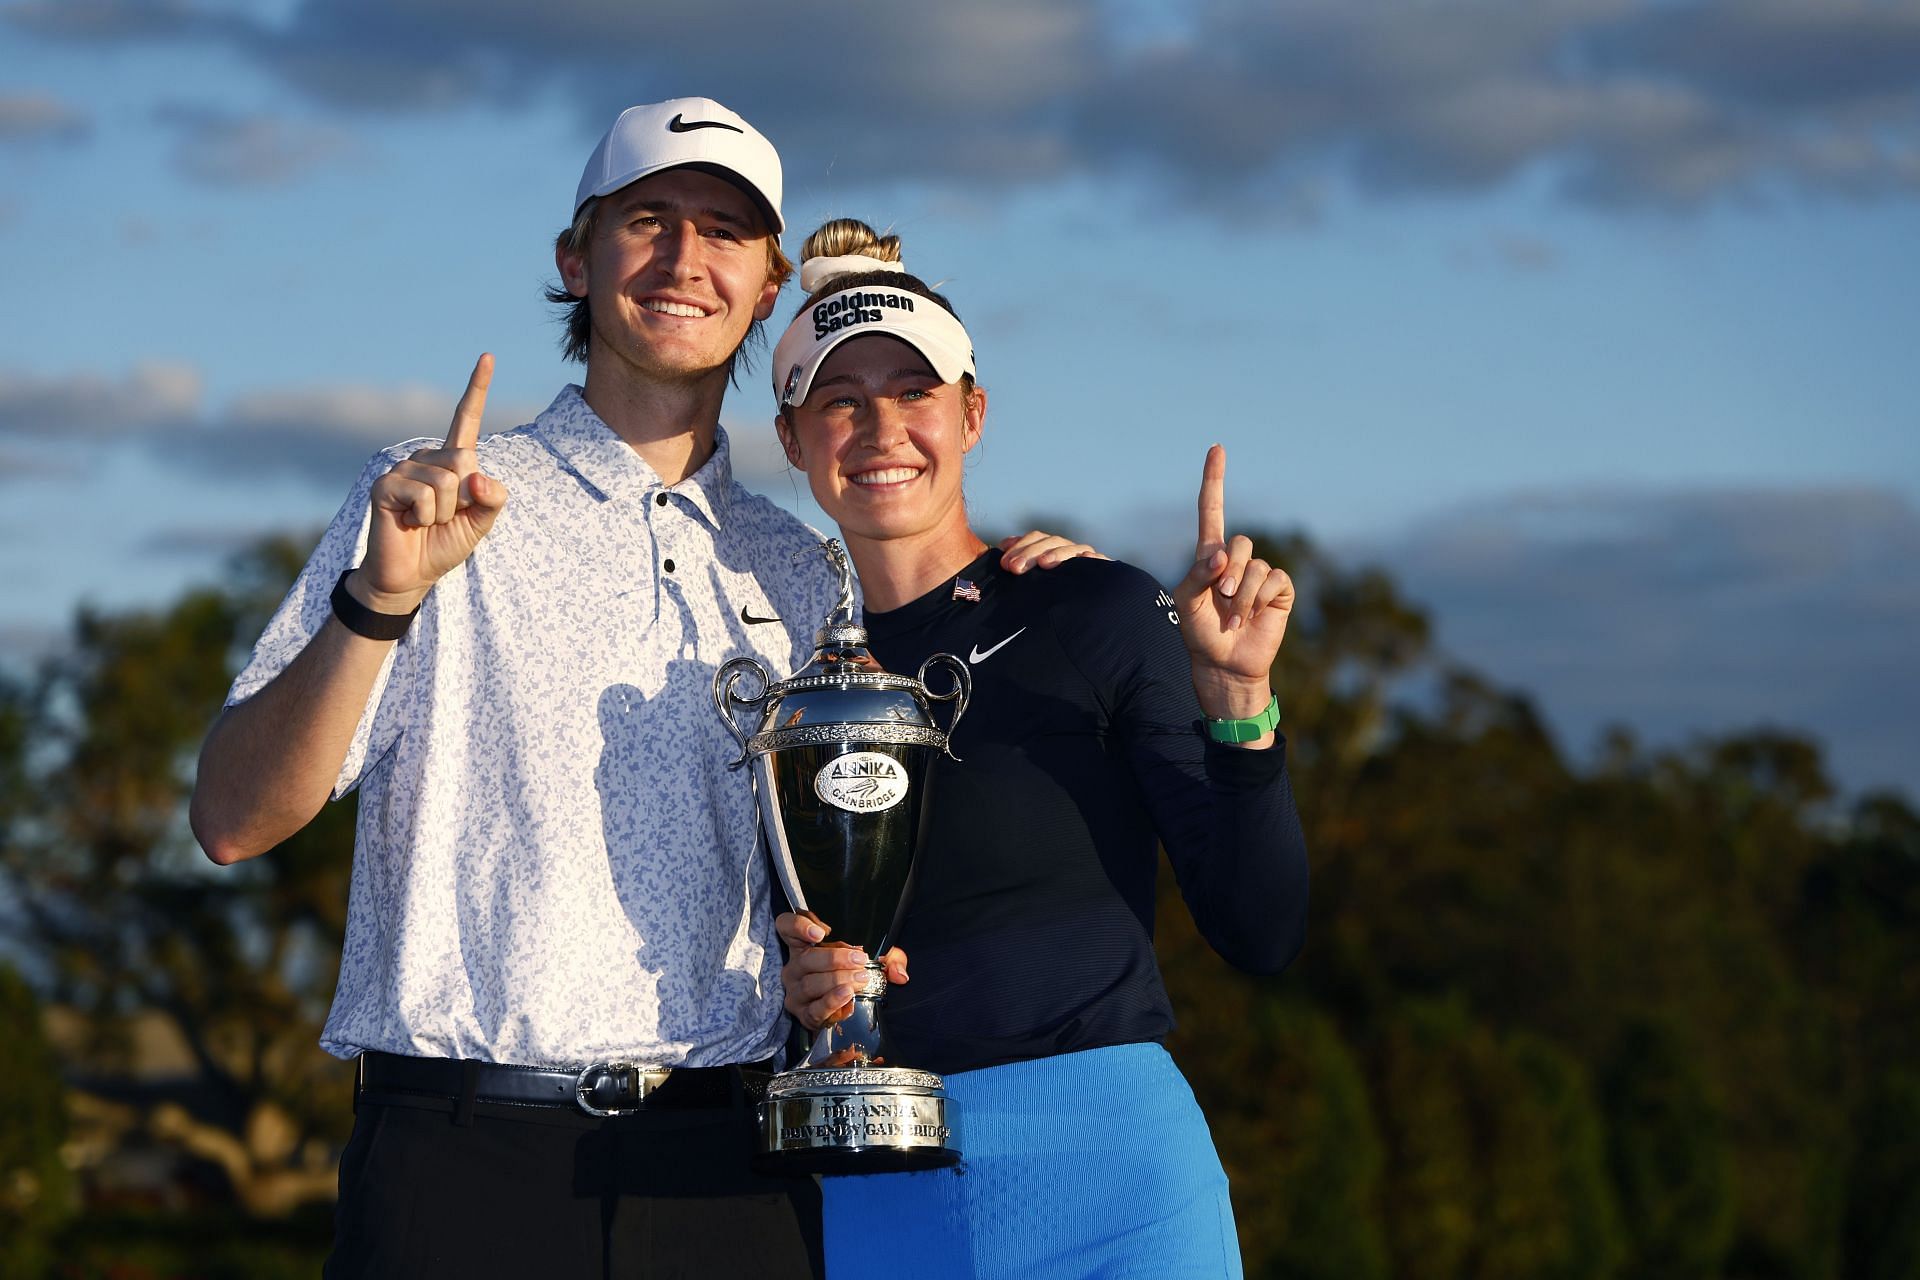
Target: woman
1035	991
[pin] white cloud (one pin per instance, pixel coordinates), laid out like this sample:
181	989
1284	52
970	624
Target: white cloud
1625	101
33	117
322	432
151	396
229	149
374	416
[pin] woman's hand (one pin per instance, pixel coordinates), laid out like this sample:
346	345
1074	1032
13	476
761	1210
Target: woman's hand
820	977
1233	609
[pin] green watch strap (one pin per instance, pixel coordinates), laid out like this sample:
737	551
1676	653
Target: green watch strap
1247	730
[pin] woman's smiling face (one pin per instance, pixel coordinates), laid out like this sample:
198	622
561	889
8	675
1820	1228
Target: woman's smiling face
883	440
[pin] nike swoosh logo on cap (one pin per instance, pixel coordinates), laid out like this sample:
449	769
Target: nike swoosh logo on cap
979	656
750	620
679	125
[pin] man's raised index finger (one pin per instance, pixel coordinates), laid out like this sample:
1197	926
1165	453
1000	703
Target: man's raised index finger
465	431
1213	500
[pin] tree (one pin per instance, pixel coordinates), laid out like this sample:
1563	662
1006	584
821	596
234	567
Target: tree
1290	1115
1493	928
128	918
1670	1156
1496	1165
36	1196
1650	1017
1883	1210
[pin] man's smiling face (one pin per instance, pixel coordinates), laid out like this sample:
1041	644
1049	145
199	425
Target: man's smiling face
674	275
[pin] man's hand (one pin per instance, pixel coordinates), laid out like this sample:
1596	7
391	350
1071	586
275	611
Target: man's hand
1041	550
820	977
270	762
430	511
1233	609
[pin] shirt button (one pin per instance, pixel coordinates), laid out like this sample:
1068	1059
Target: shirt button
667	565
660	500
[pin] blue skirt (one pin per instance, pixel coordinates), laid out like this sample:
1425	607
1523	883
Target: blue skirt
1087	1164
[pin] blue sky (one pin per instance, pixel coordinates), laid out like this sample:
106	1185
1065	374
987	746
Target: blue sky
1593	319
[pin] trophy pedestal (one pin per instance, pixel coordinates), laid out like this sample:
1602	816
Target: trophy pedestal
857	1120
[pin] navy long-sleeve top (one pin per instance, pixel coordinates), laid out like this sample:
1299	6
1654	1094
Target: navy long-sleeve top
1030	927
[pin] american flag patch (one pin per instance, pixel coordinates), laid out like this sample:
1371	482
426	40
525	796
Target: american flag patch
964	590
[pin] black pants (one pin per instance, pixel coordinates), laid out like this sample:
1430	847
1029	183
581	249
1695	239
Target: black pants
502	1190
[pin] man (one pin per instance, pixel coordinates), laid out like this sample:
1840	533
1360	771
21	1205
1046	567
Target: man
508	646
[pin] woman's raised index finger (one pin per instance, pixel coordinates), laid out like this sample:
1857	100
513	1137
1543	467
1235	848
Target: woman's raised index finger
465	431
1213	500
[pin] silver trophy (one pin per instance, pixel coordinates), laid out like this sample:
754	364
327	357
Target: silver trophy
841	761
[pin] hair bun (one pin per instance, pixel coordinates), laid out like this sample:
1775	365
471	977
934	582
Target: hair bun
850	237
846	247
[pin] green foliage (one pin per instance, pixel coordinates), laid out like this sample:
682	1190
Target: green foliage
212	1245
1322	1165
36	1195
1670	1155
1576	1223
1648	1018
1291	1119
1883	1214
1618	1020
127	918
1424	1065
1497	1170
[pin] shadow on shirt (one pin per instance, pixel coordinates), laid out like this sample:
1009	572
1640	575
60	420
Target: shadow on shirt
675	822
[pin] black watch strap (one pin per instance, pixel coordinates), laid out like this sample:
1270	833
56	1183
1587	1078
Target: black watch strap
363	621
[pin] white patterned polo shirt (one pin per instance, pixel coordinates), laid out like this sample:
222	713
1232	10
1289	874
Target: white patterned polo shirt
554	865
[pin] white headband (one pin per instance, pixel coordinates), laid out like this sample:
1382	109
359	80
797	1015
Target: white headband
815	272
918	321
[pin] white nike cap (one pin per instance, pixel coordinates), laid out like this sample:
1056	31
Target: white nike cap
685	133
855	312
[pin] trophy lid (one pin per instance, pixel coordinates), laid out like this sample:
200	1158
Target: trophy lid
842	696
843	685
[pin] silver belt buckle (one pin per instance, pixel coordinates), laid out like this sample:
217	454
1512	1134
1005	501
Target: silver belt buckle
580	1087
645	1081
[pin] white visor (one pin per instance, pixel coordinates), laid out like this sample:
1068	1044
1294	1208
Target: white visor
855	312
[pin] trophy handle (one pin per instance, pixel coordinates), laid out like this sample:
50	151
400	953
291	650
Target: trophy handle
958	695
724	682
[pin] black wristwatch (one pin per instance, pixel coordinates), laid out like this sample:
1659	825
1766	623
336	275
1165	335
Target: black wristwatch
363	621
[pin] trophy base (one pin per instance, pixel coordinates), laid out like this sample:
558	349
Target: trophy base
857	1120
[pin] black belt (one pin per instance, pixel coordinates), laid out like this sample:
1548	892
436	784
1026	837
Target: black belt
602	1089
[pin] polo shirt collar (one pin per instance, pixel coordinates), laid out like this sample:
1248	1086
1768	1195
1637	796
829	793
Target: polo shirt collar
710	489
575	434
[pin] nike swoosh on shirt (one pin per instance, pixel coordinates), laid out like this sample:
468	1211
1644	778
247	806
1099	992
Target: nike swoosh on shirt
678	125
980	655
750	620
